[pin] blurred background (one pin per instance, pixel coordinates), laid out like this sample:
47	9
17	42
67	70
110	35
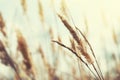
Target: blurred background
38	23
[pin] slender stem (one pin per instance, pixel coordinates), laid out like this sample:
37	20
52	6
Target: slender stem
76	55
91	51
96	71
88	44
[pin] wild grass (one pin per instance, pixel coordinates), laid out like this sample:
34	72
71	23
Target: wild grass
79	57
27	59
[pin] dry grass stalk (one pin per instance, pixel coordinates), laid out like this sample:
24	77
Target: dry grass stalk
40	50
92	54
79	65
51	37
41	13
24	6
7	60
23	48
47	65
81	46
114	37
76	54
51	71
77	39
115	59
59	39
2	25
63	8
52	75
69	27
86	55
72	44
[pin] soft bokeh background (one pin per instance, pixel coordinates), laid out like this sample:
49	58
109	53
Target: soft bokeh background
101	16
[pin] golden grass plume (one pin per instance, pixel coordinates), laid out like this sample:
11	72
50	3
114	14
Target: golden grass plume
27	60
2	25
7	60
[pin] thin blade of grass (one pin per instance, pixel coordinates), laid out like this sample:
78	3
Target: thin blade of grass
7	60
77	39
75	55
91	51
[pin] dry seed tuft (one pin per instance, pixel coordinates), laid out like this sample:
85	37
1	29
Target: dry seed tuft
7	60
23	48
71	30
75	53
41	13
72	44
24	6
63	8
114	37
86	55
2	25
77	39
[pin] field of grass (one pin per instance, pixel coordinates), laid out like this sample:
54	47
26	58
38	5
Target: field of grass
59	40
